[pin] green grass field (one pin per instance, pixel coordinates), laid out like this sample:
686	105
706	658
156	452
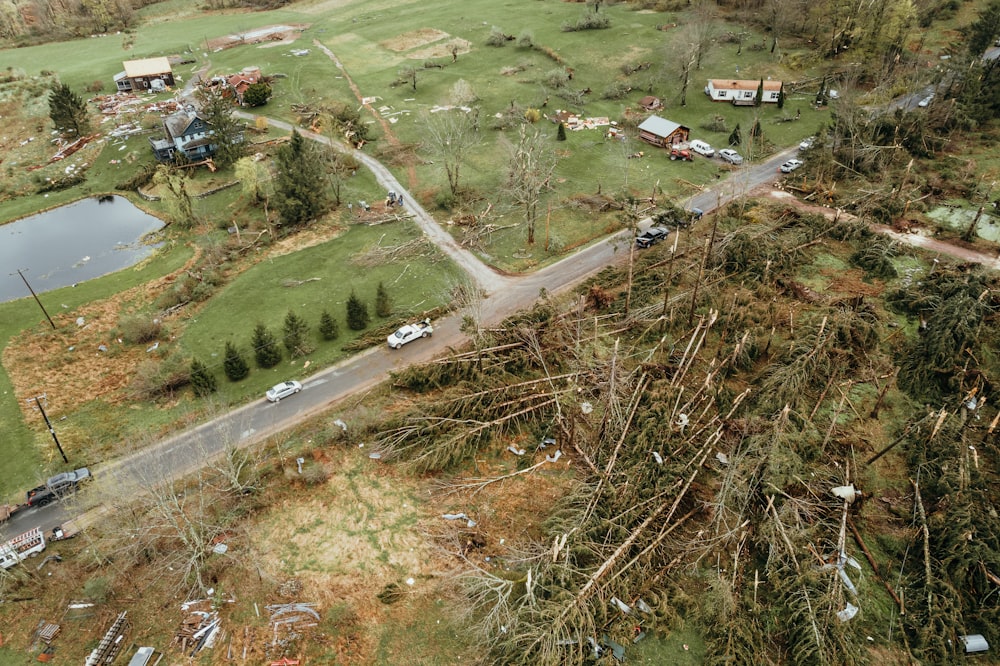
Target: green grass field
374	41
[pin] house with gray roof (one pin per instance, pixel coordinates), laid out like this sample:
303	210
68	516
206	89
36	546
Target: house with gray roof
662	132
186	133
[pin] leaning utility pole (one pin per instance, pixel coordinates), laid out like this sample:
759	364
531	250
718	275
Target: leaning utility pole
38	400
36	297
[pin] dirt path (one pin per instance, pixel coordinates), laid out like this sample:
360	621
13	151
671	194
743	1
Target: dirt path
912	239
411	173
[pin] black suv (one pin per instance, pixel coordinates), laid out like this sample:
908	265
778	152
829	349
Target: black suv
651	236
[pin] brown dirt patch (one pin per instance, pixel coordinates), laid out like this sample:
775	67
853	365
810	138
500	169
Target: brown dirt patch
67	363
267	35
414	39
460	45
851	282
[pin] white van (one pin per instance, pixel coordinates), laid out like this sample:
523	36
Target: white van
702	148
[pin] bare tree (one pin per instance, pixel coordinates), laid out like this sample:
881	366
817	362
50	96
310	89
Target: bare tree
529	169
449	137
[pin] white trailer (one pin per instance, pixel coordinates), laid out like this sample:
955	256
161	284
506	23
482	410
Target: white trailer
20	547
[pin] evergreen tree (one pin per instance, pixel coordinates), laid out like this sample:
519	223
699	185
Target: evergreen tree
227	130
760	94
736	137
295	332
328	326
357	313
235	366
756	131
781	96
300	194
383	304
202	381
265	347
257	94
68	111
561	133
821	95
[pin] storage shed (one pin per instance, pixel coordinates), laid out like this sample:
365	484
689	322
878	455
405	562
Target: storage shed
662	132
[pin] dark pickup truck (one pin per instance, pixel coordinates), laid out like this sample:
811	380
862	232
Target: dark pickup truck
57	487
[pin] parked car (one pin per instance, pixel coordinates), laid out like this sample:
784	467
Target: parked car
790	166
651	236
731	156
283	390
926	101
409	333
702	148
807	143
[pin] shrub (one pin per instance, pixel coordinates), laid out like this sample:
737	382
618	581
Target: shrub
556	78
588	22
154	378
496	38
139	330
526	40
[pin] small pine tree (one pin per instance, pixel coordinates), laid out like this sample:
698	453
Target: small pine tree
202	381
760	94
235	366
265	347
781	96
736	137
328	326
295	332
357	313
561	133
383	305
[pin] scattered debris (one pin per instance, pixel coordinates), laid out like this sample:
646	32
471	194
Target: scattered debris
459	516
289	620
111	644
847	493
198	628
516	451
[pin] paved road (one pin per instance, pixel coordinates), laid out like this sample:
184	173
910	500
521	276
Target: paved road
502	297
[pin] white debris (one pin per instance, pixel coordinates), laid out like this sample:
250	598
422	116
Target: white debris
516	451
340	424
847	493
847	613
586	407
722	458
658	458
554	457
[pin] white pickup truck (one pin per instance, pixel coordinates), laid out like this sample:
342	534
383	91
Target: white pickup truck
409	333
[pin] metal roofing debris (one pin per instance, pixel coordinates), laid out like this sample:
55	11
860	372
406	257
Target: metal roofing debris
850	611
847	493
974	643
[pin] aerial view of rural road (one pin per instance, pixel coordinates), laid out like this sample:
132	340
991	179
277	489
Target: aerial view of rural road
502	296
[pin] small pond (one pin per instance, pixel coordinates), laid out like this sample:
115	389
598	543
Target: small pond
73	243
959	219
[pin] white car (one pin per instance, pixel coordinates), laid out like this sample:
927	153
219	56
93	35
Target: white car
283	390
790	166
702	148
409	333
731	156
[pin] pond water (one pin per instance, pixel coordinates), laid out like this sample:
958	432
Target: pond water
959	219
73	243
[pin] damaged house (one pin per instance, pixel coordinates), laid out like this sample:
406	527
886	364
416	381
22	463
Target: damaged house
185	133
148	74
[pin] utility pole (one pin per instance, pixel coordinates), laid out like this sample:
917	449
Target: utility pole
38	400
36	297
